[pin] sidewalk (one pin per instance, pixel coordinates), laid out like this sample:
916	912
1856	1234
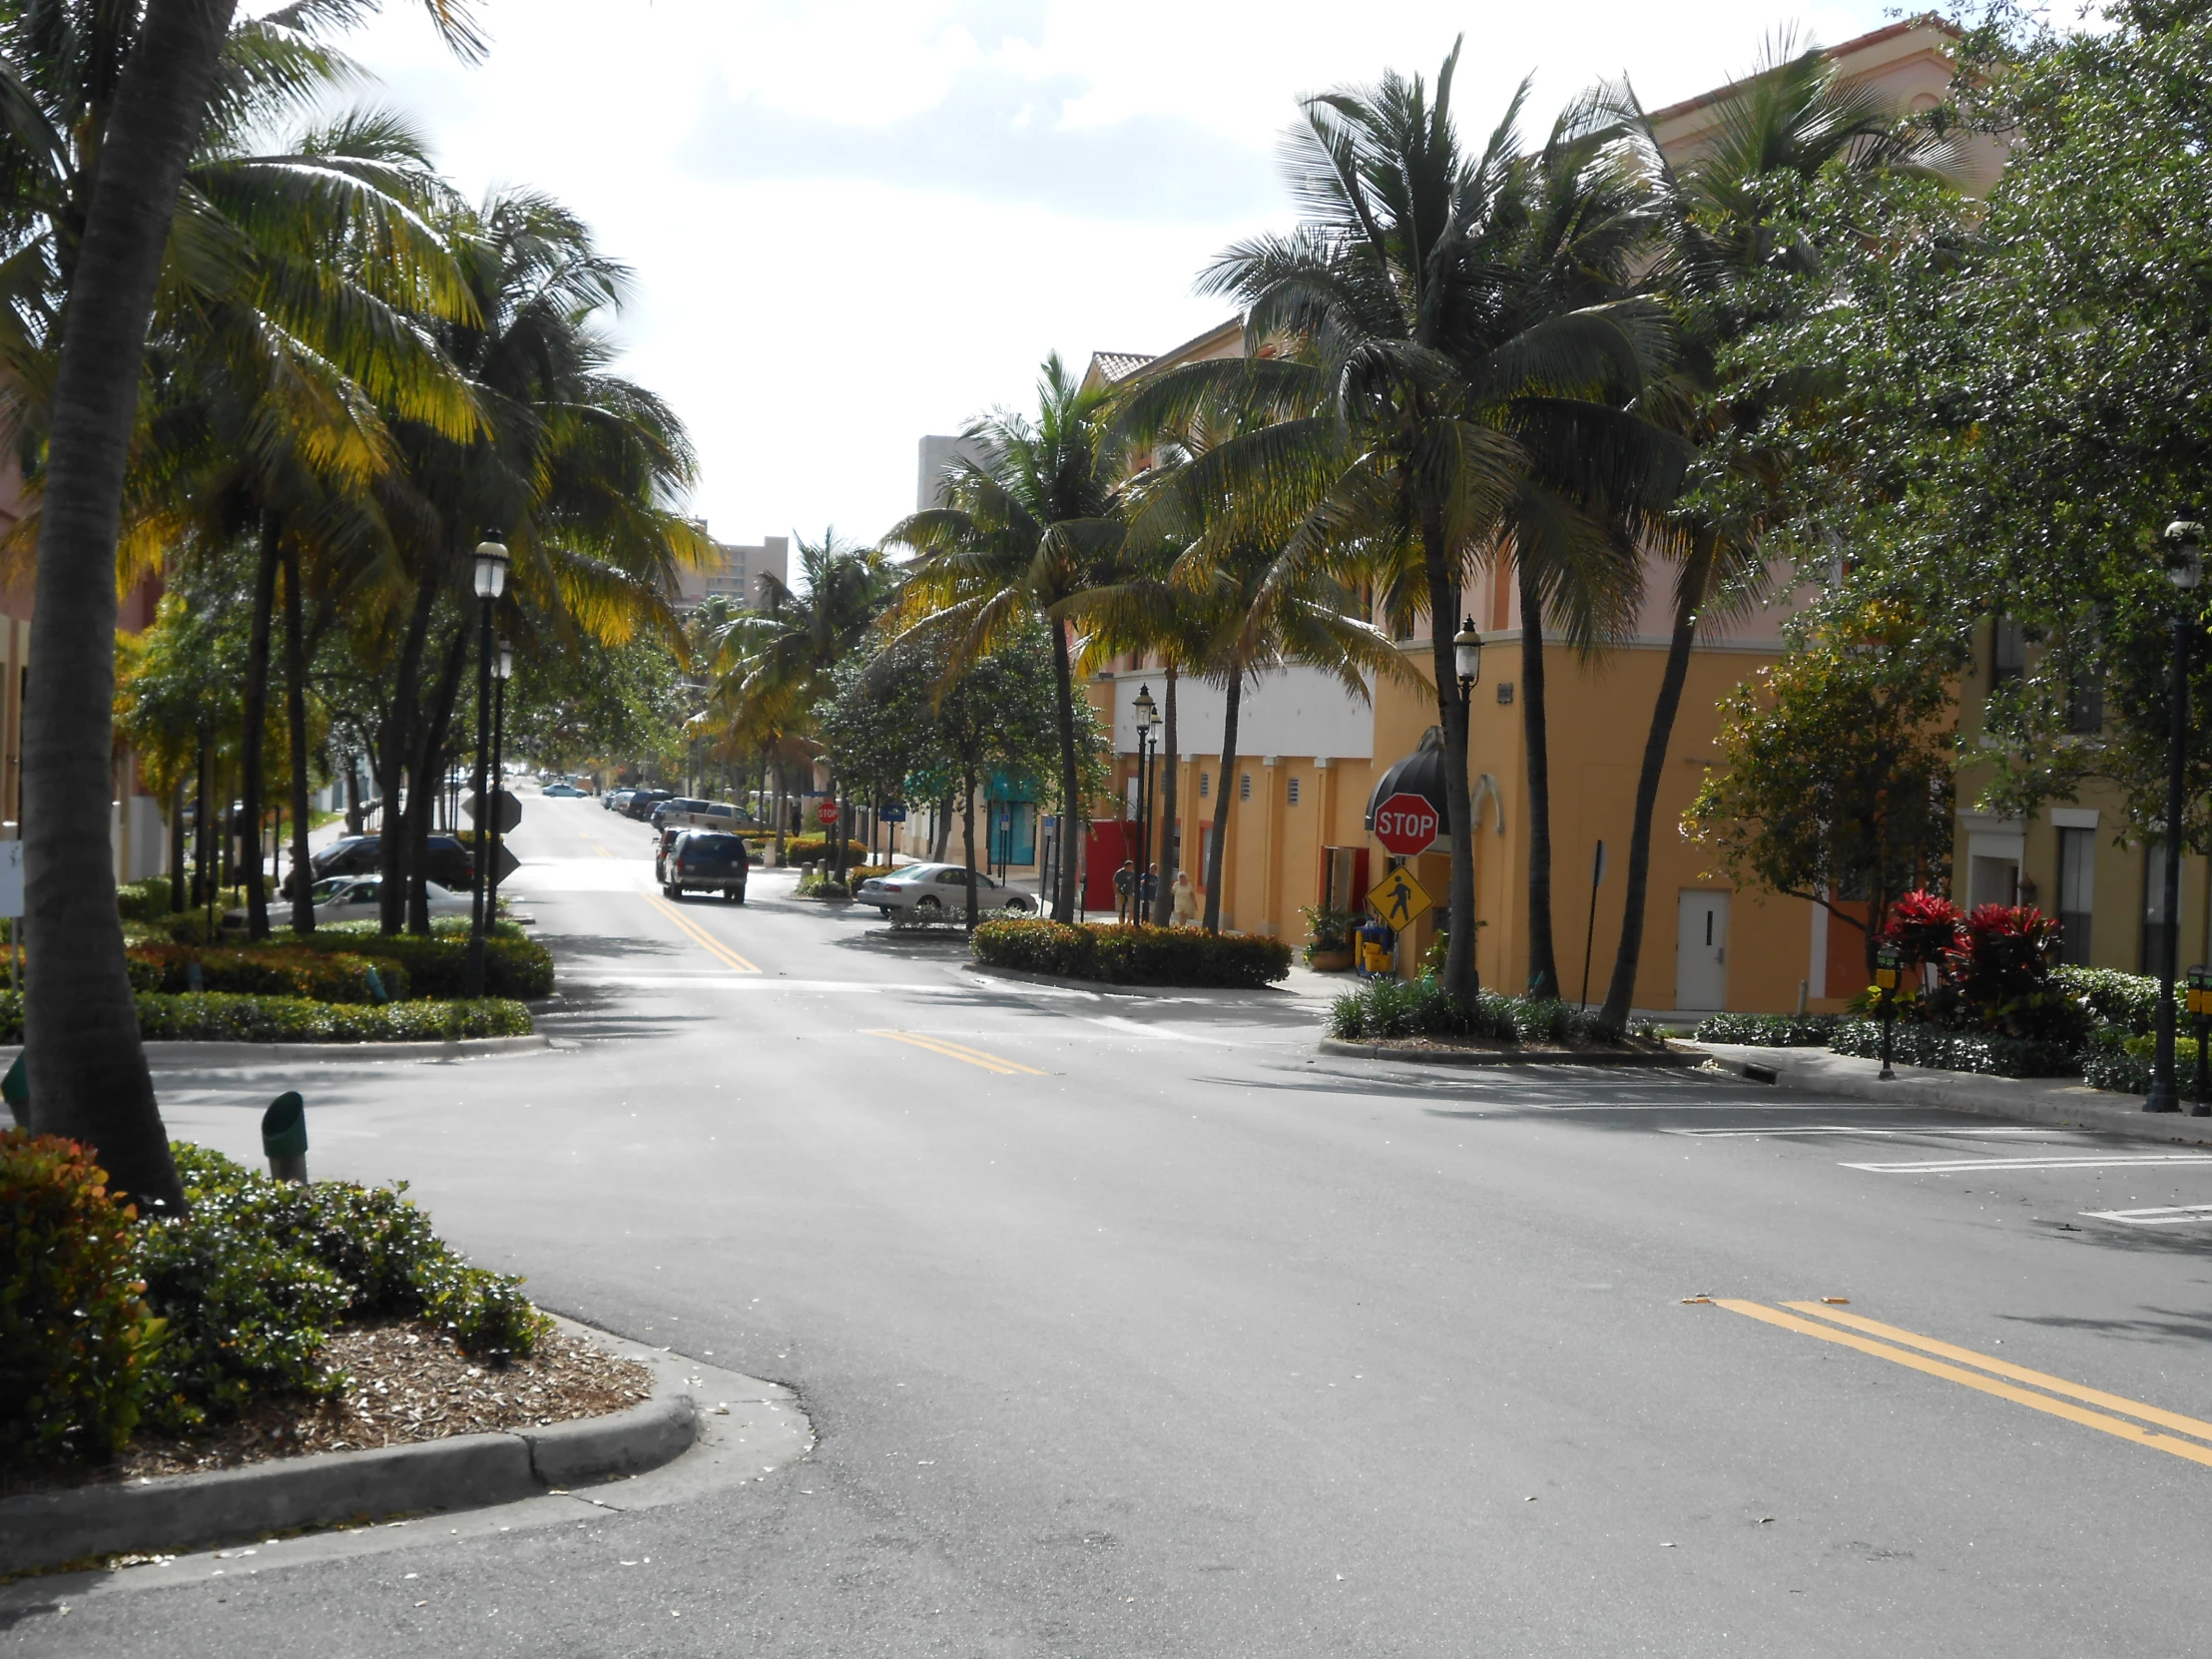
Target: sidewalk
2054	1100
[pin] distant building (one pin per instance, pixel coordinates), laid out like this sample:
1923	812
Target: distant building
736	573
939	452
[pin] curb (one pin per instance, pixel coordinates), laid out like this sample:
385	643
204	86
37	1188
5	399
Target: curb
165	1052
1105	987
2058	1102
1504	1057
172	1514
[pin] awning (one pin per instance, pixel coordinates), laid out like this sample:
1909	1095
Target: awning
1420	773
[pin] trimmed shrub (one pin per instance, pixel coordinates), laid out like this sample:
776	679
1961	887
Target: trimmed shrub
1768	1030
261	1272
2127	1000
146	900
1132	955
514	965
323	976
802	850
1384	1007
75	1331
218	1017
1986	1052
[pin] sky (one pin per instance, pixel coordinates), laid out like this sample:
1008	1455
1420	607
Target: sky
854	221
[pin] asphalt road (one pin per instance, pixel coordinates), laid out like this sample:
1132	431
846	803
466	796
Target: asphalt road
1132	1327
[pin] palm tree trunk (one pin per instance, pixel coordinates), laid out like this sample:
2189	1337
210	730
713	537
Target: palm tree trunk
967	835
177	878
943	816
1163	901
1620	995
399	746
88	1074
1544	967
430	763
1063	687
295	723
1232	705
257	726
1459	978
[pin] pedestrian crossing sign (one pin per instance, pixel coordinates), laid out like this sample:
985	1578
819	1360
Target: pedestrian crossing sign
1400	900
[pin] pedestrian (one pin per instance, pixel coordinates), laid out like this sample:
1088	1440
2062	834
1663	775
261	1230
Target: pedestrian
1185	902
1125	889
1148	893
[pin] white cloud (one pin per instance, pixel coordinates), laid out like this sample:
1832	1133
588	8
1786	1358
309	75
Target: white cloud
857	220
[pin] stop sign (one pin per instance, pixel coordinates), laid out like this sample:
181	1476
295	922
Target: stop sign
826	813
1406	823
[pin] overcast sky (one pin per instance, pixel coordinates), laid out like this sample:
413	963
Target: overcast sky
856	222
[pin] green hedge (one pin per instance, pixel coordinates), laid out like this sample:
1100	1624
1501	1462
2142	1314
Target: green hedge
1387	1007
1768	1030
514	966
1989	1054
218	1017
320	976
1132	955
2127	1000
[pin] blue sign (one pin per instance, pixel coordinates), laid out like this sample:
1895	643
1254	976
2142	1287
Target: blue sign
892	811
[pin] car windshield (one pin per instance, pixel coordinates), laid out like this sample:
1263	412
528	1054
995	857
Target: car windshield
321	893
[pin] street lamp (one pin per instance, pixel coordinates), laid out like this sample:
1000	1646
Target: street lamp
1467	657
1145	714
492	582
503	668
2184	541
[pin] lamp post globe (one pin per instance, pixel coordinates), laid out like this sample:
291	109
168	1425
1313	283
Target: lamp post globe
491	566
2184	540
1466	655
1144	711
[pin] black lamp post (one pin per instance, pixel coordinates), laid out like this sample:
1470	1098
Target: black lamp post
1145	714
2184	569
503	668
1466	658
492	582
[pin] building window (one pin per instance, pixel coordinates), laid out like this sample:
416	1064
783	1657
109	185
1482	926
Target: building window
1294	792
2007	651
2085	699
2078	870
1205	784
1243	787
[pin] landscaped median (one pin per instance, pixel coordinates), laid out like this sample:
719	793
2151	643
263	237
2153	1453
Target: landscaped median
1416	1019
1117	953
283	1355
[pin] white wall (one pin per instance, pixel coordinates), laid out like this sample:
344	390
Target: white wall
1292	711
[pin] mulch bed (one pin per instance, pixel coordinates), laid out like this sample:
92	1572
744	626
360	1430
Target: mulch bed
406	1382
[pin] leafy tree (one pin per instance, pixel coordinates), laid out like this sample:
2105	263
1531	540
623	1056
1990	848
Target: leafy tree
595	702
1834	783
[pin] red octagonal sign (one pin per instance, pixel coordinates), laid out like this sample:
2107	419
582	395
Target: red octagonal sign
1406	823
826	813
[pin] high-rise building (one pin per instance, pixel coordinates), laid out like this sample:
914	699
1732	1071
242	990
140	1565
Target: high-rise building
736	572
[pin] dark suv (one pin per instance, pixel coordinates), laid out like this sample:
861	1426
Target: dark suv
642	802
449	863
706	859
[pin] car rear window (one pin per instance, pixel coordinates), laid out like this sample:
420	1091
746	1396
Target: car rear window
714	846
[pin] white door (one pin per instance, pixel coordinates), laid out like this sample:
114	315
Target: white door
1701	952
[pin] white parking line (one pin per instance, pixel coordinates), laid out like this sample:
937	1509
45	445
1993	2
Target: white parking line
1857	1129
2170	1215
1950	1166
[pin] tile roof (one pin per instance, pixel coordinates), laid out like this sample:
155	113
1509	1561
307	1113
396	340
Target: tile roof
1118	366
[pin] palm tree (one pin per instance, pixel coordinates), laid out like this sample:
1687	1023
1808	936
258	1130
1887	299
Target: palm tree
1028	528
103	108
1792	116
773	665
1439	395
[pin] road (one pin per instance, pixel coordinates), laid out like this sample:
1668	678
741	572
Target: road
1133	1327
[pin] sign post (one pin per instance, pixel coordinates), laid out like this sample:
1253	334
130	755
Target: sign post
1406	824
1889	963
827	813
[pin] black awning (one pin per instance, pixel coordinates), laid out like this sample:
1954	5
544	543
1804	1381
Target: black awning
1420	773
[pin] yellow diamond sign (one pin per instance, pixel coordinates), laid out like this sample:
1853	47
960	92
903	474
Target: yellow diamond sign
1398	899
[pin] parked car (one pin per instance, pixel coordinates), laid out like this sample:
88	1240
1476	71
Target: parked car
703	815
937	889
450	864
662	842
564	790
657	813
614	801
706	859
354	898
642	802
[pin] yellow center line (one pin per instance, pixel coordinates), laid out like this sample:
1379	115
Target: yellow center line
602	851
960	1051
714	946
2019	1373
1972	1380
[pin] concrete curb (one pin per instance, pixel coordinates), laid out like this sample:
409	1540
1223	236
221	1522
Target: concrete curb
171	1055
176	1514
1502	1057
2060	1102
1106	989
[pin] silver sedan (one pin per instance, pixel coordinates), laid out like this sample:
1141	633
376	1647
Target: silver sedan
931	891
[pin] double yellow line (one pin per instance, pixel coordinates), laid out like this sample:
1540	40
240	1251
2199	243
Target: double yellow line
960	1051
714	946
1990	1376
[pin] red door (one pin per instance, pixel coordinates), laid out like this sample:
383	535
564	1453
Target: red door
1104	848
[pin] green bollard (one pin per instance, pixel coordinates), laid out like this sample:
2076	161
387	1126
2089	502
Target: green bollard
285	1137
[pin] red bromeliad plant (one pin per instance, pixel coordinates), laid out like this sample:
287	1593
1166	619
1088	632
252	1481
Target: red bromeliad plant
1994	964
1923	926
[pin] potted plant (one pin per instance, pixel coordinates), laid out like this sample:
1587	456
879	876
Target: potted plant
1329	942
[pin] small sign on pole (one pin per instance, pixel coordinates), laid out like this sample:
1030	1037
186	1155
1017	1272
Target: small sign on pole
1400	900
11	878
827	813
